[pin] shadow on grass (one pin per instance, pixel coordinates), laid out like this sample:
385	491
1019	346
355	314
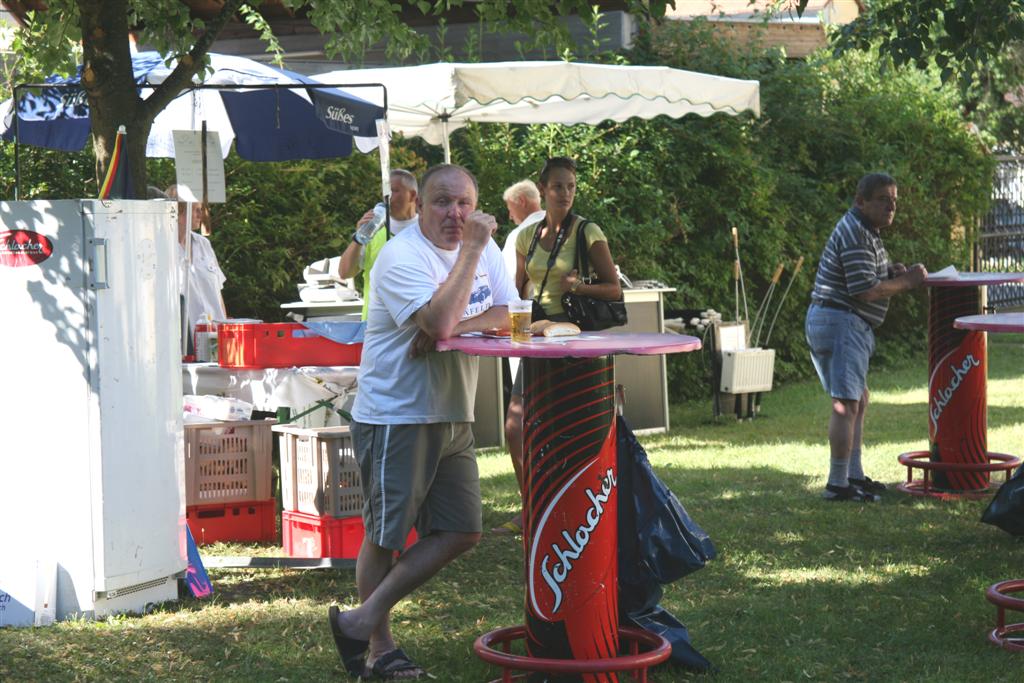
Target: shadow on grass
801	588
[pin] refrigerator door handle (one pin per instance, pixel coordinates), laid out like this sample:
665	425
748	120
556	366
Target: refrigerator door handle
98	262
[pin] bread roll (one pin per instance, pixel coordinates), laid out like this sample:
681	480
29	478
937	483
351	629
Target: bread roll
537	326
561	330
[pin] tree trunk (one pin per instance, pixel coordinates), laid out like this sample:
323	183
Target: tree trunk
110	87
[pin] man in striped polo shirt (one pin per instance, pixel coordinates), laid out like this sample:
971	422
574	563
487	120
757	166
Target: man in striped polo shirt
851	295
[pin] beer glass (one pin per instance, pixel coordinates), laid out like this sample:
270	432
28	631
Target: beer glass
519	313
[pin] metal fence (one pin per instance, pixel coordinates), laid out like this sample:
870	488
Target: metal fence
1000	247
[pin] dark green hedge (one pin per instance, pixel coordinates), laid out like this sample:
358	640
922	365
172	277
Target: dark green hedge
665	191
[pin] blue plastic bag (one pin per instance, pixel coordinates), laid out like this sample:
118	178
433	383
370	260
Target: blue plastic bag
658	543
669	544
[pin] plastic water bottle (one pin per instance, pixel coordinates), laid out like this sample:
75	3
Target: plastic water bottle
366	232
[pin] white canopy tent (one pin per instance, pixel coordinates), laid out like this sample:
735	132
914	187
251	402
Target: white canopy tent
432	100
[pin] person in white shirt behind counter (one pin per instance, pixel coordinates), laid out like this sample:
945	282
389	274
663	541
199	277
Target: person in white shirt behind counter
204	279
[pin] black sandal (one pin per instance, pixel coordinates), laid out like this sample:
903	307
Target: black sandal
351	650
868	484
391	666
848	493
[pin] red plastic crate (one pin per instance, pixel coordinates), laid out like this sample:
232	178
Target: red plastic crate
279	345
249	521
305	535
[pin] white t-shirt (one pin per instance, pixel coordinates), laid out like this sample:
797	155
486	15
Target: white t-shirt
437	387
508	252
205	280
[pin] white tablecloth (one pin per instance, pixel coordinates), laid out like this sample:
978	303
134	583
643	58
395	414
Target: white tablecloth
268	389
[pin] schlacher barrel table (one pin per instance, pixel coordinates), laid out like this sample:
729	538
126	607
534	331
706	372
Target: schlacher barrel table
957	405
570	529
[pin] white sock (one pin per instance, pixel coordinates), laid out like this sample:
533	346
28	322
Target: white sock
838	472
856	469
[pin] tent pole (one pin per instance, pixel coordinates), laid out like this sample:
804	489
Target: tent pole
17	146
444	140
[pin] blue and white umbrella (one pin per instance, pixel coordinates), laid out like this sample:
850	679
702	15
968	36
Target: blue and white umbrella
266	121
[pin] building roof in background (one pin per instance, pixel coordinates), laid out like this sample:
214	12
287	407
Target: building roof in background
746	21
817	11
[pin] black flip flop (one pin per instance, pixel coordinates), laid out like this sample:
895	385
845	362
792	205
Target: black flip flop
351	650
391	665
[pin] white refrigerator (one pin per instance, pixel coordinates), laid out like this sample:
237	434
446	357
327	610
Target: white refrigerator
92	495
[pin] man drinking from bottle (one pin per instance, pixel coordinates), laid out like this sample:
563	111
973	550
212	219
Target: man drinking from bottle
369	239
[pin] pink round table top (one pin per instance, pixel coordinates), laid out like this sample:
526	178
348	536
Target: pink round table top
973	279
993	322
586	345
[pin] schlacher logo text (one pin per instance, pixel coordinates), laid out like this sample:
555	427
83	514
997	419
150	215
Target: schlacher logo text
944	395
557	565
23	248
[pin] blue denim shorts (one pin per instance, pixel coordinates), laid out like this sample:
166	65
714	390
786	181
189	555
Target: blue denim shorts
841	345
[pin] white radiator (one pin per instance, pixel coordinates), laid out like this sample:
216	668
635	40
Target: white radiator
747	371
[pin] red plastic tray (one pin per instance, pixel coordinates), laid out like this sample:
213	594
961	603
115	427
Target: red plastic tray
305	535
279	345
250	521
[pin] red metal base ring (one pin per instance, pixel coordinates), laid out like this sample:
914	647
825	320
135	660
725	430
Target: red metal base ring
997	462
658	651
1003	634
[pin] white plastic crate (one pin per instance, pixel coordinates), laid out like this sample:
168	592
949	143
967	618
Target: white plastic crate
227	462
747	371
319	473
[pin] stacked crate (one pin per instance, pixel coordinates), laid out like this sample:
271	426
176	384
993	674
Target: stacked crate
227	481
321	494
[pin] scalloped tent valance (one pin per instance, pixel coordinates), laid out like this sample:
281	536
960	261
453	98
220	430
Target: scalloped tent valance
432	100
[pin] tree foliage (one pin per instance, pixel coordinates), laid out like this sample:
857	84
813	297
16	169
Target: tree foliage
960	36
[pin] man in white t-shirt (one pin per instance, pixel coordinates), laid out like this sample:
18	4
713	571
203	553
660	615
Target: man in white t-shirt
413	413
199	271
523	202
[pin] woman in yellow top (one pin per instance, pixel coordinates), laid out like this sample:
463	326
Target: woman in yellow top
552	277
557	233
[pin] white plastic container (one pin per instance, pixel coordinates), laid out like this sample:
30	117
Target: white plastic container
206	339
217	407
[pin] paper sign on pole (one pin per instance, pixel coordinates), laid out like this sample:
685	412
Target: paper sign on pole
188	166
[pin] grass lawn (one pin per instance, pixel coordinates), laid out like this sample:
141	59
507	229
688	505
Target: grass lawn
802	589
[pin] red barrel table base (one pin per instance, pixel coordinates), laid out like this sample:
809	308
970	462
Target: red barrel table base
957	400
1005	635
570	530
995	462
657	651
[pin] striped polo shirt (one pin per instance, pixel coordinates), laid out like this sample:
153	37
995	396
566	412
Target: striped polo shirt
853	262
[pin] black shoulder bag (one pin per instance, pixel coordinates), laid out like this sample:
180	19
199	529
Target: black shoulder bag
591	313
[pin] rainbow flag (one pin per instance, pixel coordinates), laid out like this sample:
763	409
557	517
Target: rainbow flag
117	184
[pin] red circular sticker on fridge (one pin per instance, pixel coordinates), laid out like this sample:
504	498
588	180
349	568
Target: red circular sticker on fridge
23	248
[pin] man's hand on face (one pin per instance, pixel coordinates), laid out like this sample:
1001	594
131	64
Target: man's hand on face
478	229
